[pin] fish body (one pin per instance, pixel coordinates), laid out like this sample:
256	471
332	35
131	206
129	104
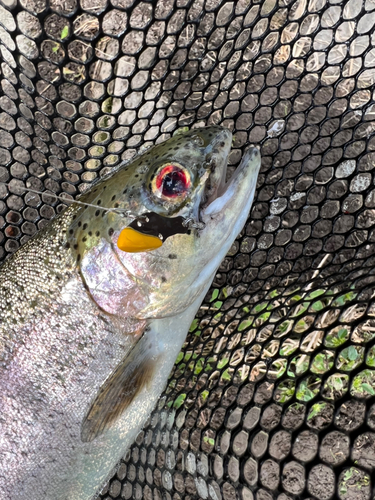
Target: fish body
89	332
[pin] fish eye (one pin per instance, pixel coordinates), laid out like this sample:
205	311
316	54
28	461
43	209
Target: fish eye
171	181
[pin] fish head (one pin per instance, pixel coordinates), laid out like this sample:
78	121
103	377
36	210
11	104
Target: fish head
176	193
185	170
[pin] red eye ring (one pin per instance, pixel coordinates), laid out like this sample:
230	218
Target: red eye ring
171	181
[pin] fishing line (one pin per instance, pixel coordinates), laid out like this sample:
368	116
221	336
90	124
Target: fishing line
188	222
120	211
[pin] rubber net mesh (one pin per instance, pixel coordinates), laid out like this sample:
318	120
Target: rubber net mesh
273	393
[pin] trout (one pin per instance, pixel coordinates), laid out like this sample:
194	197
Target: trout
95	308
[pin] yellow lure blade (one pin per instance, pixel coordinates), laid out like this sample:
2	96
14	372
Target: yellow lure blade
133	241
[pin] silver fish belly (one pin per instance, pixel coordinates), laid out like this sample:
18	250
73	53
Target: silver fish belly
89	332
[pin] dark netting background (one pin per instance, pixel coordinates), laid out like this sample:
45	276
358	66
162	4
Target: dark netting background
273	394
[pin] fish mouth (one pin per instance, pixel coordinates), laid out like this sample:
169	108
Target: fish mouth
216	165
241	182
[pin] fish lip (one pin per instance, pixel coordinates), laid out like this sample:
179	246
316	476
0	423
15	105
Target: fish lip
228	191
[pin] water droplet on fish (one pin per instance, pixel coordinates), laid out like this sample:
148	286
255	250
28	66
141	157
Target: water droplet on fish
197	140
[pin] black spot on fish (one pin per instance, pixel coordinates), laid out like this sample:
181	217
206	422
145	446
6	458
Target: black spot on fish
116	205
163	279
97	233
71	231
97	213
136	175
172	256
90	233
113	197
78	257
110	231
99	202
84	239
75	246
84	226
79	224
67	245
74	217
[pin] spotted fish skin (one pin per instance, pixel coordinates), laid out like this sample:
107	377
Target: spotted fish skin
89	333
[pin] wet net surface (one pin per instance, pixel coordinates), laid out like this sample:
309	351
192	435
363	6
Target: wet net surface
273	393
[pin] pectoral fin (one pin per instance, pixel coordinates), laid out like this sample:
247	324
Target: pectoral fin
121	388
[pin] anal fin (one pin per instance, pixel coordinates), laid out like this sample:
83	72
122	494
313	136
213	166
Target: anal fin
121	388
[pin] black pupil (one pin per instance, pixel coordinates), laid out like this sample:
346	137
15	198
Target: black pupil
173	183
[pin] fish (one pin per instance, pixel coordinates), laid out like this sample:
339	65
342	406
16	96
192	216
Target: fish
95	308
